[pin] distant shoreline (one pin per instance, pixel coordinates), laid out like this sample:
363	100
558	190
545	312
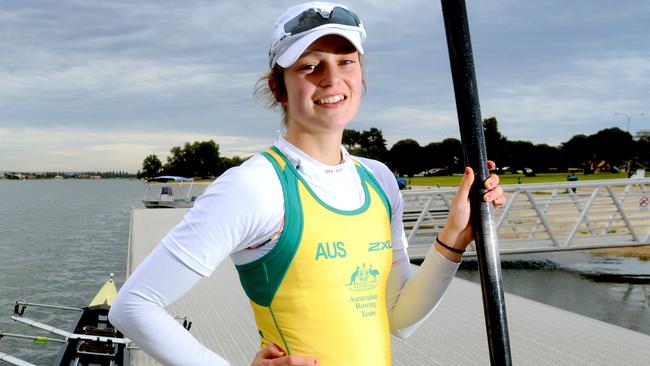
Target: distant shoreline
641	252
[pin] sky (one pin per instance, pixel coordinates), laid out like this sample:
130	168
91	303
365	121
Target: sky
101	84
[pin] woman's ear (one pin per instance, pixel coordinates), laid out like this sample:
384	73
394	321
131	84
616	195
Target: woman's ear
276	85
273	87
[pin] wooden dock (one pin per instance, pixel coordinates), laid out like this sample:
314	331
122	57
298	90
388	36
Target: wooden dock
453	335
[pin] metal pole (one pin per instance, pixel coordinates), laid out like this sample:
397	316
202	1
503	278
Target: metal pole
627	117
21	303
471	128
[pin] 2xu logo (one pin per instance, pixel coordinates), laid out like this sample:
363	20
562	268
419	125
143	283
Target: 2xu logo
379	245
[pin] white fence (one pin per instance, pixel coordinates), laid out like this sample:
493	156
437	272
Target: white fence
544	217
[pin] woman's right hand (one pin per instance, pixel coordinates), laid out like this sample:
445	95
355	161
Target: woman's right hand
272	355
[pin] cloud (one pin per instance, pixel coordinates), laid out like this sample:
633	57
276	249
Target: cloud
112	78
582	98
80	78
425	125
84	150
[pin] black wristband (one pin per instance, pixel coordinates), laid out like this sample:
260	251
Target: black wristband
451	249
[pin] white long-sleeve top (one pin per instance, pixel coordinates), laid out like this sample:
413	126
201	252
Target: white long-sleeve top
240	215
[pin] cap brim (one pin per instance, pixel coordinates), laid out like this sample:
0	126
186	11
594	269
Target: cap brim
293	52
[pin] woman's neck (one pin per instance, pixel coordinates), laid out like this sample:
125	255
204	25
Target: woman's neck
324	148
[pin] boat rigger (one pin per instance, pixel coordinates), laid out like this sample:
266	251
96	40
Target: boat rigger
93	341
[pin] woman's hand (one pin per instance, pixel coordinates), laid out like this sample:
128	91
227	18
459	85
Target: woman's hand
457	233
272	355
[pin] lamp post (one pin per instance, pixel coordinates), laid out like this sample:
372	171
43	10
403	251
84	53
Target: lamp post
627	117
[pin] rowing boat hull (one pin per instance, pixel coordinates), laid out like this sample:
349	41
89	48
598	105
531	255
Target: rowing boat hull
93	321
72	353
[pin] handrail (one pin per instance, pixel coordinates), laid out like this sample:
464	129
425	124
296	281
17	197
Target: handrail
544	216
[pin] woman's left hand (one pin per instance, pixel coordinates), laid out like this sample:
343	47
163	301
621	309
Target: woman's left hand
457	233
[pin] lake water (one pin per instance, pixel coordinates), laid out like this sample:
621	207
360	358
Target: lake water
60	240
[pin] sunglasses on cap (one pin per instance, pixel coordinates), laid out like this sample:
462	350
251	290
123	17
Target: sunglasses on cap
313	18
310	20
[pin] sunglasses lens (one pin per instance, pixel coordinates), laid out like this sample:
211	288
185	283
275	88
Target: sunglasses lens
344	17
313	18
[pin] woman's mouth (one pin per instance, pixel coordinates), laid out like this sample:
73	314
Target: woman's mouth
330	100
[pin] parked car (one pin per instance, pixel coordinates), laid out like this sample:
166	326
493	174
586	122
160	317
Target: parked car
435	172
527	172
401	182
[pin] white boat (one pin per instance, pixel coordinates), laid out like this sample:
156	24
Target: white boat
169	191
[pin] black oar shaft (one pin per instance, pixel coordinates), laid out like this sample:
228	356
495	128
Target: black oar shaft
471	128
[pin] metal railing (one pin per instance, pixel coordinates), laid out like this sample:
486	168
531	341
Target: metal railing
544	217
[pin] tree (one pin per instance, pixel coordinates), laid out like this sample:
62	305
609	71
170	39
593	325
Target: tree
351	140
452	153
612	145
368	144
434	156
520	154
576	151
546	157
495	142
406	157
206	160
199	159
375	144
642	154
231	162
151	166
447	154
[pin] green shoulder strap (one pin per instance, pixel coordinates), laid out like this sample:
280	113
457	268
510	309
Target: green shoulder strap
366	176
262	277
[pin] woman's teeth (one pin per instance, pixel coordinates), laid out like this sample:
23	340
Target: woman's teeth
331	100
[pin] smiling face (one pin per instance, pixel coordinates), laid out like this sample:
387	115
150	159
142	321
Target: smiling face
324	87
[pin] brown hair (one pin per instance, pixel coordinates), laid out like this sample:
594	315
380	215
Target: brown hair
272	88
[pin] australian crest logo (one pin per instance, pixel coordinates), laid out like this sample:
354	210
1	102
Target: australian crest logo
363	278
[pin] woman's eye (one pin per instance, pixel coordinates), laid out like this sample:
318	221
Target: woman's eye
347	62
308	67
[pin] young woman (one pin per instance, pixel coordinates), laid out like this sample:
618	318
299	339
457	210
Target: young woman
316	234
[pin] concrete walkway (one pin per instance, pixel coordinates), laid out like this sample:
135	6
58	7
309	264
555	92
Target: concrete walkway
453	335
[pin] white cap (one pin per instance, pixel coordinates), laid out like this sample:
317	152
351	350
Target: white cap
286	48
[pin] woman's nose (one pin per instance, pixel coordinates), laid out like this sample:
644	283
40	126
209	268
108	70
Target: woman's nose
330	75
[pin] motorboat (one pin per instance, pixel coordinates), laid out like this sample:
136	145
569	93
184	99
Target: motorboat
168	191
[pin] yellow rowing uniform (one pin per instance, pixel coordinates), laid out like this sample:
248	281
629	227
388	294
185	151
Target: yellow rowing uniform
321	291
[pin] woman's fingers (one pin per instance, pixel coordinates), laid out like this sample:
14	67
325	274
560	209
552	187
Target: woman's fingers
494	195
272	355
270	351
466	183
499	201
495	192
492	181
295	360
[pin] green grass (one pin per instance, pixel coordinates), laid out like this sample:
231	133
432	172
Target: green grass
453	181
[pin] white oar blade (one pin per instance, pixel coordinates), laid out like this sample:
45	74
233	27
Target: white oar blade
69	335
13	360
43	326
